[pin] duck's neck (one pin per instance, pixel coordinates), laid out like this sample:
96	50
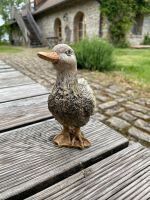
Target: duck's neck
66	78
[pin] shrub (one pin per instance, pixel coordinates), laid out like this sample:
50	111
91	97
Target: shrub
146	40
94	54
2	43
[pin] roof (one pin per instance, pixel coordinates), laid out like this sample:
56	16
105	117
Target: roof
48	4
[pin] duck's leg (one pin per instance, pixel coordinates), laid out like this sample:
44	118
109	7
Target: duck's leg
79	141
63	139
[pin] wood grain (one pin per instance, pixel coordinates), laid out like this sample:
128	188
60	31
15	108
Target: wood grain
124	175
29	161
13	78
6	70
4	66
19	92
19	112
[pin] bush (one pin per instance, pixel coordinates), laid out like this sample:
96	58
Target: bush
94	54
146	40
2	43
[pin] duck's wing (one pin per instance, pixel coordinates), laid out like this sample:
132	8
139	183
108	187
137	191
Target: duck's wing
87	91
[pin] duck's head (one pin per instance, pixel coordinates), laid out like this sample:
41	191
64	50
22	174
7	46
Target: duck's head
62	56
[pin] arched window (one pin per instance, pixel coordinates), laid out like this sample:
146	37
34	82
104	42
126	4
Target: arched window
79	26
58	28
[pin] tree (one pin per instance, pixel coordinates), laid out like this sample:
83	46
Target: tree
6	6
142	6
5	12
2	32
121	14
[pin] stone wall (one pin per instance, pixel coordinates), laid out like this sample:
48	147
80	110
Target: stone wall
135	39
90	9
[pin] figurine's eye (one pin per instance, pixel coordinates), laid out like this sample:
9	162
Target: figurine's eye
69	52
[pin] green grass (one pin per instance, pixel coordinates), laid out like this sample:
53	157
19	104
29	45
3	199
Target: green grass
9	49
134	63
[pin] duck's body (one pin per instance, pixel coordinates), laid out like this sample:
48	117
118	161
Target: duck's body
71	101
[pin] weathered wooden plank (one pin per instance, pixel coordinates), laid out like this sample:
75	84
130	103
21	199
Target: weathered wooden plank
133	189
29	160
19	112
10	75
19	92
4	66
13	74
146	196
13	78
1	62
2	70
121	176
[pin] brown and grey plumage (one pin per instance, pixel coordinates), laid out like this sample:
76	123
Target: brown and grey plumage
71	100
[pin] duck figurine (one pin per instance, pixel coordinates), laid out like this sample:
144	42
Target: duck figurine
71	100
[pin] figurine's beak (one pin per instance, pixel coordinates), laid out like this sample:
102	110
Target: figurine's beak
52	56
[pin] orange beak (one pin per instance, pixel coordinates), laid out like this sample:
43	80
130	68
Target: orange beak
52	56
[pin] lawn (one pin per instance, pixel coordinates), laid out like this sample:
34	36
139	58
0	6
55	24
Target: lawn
134	63
9	49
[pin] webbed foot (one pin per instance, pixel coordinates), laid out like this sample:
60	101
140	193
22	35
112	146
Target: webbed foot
63	139
70	139
79	141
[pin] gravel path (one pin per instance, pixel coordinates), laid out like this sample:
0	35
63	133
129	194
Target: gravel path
118	104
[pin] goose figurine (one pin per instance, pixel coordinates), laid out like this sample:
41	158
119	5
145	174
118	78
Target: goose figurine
71	100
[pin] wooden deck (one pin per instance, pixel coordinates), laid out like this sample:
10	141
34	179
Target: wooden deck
124	175
32	167
22	101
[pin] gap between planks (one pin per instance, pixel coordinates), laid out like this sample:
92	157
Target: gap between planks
112	178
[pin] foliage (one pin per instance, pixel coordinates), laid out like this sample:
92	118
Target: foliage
134	63
5	12
142	6
4	43
120	14
94	54
146	40
6	6
2	32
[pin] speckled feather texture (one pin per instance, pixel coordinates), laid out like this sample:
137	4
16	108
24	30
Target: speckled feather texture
87	91
71	100
72	106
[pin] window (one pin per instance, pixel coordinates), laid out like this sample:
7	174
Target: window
138	25
79	26
58	28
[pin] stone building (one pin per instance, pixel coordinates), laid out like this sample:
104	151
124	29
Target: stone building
69	21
